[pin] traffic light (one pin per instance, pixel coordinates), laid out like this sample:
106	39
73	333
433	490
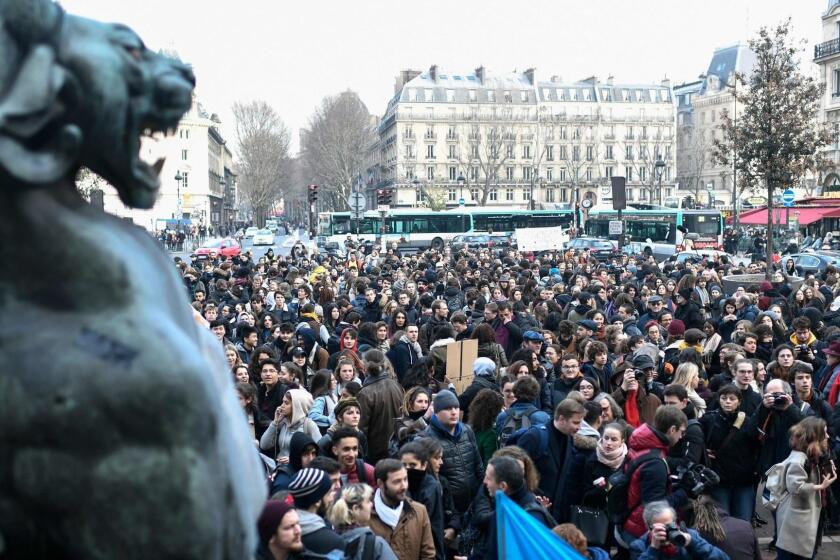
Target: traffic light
313	194
383	197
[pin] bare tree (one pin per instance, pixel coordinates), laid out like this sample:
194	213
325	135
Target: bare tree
263	156
577	152
486	142
646	150
335	145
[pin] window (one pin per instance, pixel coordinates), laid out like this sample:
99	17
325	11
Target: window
184	155
474	151
587	95
549	173
453	173
560	94
508	97
609	152
491	95
185	182
430	94
628	152
563	153
409	152
450	96
494	195
508	194
573	94
713	115
184	133
526	151
608	172
509	151
527	171
546	93
628	173
589	175
590	153
472	95
474	194
523	96
643	174
576	133
430	151
625	95
509	173
836	92
562	174
549	153
430	173
451	195
409	172
606	94
549	194
474	173
526	194
562	133
419	196
575	153
564	195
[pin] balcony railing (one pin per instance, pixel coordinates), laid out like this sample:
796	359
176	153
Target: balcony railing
827	49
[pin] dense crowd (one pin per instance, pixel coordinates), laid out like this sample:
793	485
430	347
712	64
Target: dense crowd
629	406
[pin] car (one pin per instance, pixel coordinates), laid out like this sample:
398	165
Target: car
471	241
264	237
226	247
502	239
601	249
812	263
251	232
334	249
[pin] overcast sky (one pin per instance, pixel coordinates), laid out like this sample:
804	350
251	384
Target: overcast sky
293	53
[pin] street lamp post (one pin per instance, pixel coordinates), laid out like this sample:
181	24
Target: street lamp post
659	169
461	181
178	179
531	205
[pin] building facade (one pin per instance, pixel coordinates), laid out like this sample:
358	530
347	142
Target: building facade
198	155
827	59
476	138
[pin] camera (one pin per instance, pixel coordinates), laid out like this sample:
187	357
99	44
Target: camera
779	399
640	375
696	479
674	535
803	348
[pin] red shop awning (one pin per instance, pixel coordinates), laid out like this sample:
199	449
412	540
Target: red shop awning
806	215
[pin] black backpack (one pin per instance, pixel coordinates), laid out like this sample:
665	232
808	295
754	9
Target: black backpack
361	548
618	486
515	421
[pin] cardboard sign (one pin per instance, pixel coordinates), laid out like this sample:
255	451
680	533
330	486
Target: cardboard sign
541	239
460	357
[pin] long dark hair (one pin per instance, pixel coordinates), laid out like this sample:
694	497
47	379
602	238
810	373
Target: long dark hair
484	409
320	384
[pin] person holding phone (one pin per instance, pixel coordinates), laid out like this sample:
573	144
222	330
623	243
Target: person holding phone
808	475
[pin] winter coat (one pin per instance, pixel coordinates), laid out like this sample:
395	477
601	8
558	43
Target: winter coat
524	499
412	538
697	549
380	401
381	548
427	332
798	515
462	465
430	494
322	411
816	406
402	357
325	443
554	461
494	352
316	536
771	428
557	391
740	543
278	437
537	417
479	382
649	482
735	453
646	403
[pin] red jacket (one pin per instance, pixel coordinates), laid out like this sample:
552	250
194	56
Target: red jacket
650	481
352	475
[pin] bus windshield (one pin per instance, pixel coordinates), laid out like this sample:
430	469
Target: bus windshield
707	225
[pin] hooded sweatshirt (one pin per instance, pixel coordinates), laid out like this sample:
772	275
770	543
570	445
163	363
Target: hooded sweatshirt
279	438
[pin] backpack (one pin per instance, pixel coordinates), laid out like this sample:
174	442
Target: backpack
361	472
775	489
618	487
363	547
516	421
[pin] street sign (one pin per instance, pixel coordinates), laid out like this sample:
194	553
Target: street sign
788	197
356	202
616	227
461	202
383	208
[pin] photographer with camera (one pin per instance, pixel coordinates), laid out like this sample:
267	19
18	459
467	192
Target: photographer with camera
769	425
665	539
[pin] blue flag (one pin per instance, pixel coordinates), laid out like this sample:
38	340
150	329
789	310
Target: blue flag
521	537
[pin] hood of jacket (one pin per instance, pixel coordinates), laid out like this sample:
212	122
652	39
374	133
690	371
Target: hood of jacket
451	292
310	522
301	403
309	338
811	339
644	438
297	445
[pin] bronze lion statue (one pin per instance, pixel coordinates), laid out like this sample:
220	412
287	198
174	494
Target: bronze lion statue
120	436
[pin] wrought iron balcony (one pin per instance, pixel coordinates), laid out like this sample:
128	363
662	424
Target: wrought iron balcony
826	49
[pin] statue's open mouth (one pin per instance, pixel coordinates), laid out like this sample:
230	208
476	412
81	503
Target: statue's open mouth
146	174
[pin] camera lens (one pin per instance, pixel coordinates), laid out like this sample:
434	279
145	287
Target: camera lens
674	535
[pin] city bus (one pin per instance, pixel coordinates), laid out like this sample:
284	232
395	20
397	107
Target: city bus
660	231
425	228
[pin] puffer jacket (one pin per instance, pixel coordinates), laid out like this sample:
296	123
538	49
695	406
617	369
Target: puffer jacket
380	401
734	451
649	482
462	464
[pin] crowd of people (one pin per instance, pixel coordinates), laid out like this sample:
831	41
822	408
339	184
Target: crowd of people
631	407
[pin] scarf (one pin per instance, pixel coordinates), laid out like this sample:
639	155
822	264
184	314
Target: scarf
612	459
388	515
414	345
631	409
312	316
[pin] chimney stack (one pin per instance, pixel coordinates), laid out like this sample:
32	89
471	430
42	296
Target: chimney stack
433	73
529	74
